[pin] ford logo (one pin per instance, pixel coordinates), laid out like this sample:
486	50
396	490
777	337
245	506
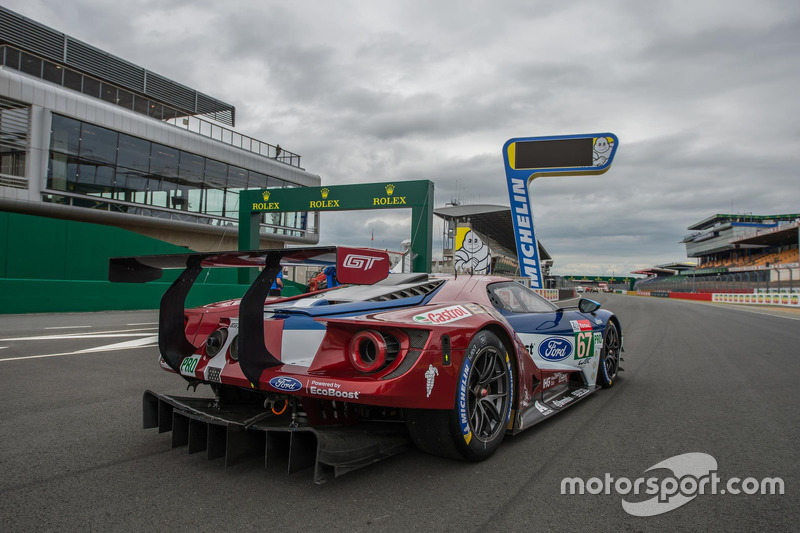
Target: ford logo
555	349
284	383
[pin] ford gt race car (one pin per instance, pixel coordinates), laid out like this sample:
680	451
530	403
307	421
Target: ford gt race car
347	375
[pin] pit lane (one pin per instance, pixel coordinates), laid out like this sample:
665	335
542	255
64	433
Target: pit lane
698	378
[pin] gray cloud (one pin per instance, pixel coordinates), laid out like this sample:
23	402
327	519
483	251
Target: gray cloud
702	96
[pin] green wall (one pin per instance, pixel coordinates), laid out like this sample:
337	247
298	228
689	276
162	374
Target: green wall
52	265
51	296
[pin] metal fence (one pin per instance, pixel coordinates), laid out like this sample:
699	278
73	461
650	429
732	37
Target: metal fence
228	136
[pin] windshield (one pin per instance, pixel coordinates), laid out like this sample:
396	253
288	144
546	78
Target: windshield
513	297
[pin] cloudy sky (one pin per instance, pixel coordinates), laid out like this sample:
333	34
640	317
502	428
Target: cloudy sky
703	96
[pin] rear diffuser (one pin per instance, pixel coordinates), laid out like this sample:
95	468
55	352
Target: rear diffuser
237	432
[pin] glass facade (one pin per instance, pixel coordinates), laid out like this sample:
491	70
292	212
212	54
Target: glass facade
104	169
32	65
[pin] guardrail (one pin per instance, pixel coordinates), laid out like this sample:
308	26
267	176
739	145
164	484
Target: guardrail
228	136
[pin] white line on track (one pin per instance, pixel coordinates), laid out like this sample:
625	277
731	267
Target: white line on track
721	306
143	324
67	327
148	342
86	336
93	335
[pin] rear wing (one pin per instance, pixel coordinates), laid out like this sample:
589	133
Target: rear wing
353	266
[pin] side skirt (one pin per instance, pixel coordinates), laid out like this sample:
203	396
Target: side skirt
541	410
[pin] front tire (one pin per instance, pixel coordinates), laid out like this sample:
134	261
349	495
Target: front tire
476	427
610	356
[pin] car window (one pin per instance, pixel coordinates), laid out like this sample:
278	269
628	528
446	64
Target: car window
515	298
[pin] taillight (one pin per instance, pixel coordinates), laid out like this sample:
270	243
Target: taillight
216	341
371	351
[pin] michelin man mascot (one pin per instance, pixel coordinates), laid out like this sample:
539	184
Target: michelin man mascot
602	149
473	256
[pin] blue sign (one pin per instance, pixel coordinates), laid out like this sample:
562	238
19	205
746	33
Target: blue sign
285	384
527	158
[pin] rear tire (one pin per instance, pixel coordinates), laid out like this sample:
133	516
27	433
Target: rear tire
476	427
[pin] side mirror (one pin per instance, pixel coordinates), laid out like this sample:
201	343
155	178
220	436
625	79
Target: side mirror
588	306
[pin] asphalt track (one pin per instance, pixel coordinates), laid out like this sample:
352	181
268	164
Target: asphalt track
698	378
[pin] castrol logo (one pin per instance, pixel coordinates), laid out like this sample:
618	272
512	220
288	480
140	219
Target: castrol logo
443	315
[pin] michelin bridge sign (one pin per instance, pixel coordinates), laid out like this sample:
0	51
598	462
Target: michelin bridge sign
527	158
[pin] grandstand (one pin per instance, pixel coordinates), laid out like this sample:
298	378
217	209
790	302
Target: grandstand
734	253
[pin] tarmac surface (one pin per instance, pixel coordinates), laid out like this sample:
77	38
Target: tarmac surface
699	378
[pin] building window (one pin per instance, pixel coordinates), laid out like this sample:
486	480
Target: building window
62	172
140	104
95	179
12	162
192	169
133	153
65	135
31	65
109	93
131	186
164	161
98	144
73	80
136	176
91	87
125	99
156	110
260	181
52	72
12	58
14	126
238	178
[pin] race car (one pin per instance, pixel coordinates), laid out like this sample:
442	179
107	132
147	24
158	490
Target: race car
453	362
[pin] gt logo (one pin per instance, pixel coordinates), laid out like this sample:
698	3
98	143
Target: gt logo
364	262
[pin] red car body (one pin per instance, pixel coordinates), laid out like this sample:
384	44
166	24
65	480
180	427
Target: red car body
461	360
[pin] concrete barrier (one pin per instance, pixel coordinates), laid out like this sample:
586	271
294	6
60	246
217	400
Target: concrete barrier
782	299
550	294
698	296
